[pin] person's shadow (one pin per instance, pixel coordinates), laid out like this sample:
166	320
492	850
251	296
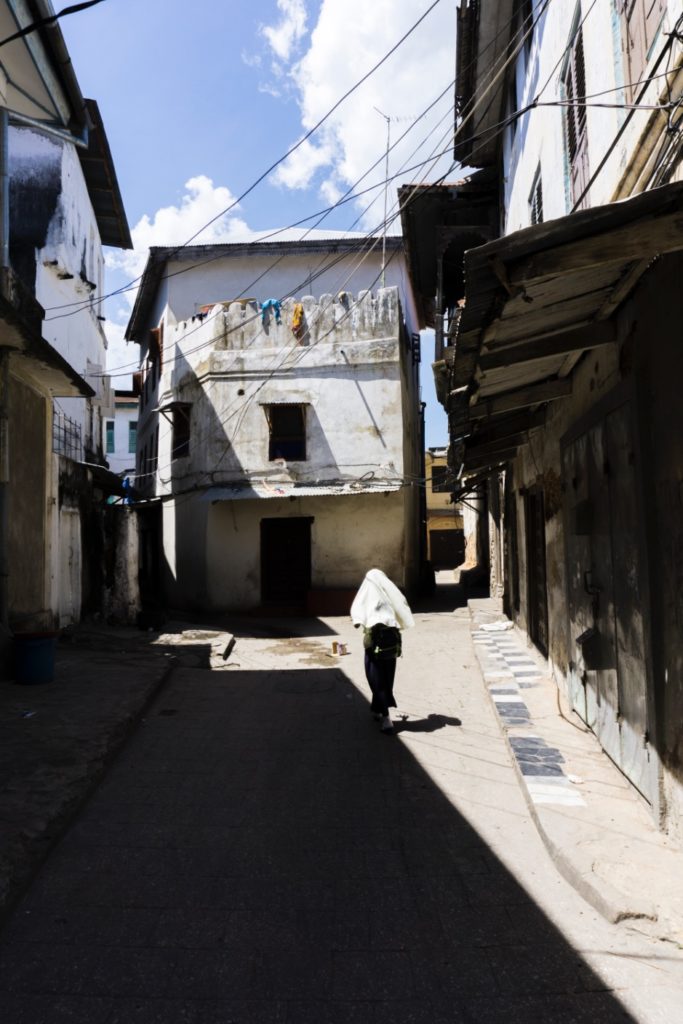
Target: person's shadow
429	724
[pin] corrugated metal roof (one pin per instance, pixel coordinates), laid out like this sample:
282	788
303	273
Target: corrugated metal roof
275	489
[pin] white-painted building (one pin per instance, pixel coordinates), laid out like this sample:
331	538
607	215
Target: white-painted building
64	204
119	441
279	432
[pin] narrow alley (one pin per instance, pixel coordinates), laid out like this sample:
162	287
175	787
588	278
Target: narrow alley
259	852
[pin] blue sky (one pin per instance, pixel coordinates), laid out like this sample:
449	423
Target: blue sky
199	99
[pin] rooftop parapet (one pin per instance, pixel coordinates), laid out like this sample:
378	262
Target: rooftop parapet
332	319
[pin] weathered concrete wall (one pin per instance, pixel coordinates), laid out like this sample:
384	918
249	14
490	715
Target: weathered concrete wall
121	602
28	433
217	545
56	249
352	364
351	367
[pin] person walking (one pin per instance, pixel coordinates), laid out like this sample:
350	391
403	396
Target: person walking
382	610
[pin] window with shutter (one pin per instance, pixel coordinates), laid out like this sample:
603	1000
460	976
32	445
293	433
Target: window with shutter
640	23
110	437
536	199
156	344
576	135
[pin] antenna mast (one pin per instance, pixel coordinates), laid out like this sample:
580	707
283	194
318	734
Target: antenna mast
386	188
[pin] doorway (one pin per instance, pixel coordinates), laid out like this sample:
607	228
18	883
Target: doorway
537	586
286	561
609	667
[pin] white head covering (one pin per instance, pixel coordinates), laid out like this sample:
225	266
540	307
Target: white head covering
380	600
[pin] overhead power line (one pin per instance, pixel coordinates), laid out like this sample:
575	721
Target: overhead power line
41	22
528	23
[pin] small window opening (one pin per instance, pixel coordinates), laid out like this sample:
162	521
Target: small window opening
287	424
180	441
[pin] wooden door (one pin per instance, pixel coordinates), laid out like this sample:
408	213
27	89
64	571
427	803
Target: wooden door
606	603
536	569
286	560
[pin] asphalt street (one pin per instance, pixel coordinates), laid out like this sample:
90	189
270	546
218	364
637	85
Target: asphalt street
259	852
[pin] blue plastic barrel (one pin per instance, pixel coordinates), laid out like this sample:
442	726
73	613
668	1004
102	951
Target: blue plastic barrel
34	657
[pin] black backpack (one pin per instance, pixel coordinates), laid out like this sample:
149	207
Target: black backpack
386	642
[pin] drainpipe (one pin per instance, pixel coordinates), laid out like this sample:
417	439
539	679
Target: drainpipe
4	378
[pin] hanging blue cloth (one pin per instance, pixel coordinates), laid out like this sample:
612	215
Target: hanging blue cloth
273	304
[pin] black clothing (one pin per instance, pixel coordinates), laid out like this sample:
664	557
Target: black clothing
380	675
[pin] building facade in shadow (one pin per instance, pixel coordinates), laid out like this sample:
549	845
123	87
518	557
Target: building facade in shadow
558	348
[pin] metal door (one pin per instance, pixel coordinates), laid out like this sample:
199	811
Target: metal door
608	664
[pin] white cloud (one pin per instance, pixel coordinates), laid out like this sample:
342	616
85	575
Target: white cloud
298	173
346	42
201	202
252	60
284	37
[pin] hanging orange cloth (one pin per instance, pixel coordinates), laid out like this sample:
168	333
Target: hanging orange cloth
298	320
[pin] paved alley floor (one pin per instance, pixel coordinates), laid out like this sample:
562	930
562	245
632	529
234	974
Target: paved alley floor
260	854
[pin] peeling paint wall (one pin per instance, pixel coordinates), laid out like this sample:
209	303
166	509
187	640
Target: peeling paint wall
355	368
122	591
55	248
350	366
219	565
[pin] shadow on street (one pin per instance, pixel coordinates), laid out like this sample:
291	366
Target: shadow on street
260	853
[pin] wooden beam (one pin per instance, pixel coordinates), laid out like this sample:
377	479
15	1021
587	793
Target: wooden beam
624	286
507	426
497	445
548	391
576	340
474	460
640	240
